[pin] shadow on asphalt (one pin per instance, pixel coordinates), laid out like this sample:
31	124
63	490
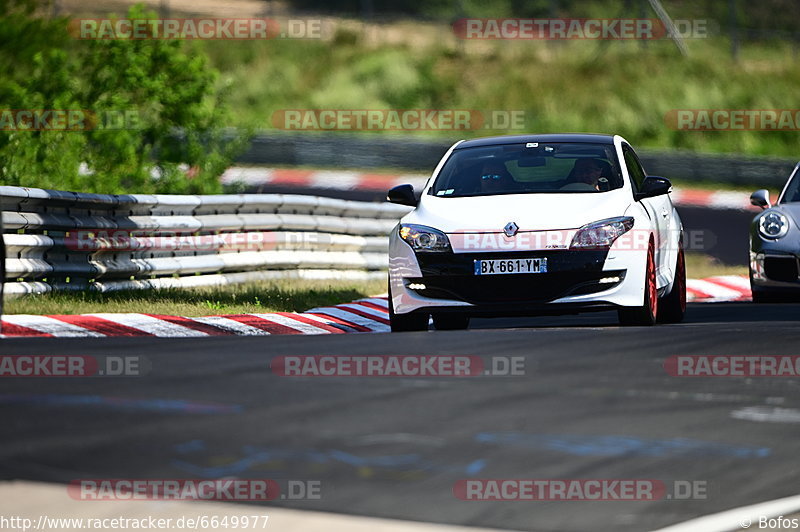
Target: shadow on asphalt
696	313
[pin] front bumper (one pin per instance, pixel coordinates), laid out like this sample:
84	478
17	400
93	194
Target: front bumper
576	281
775	271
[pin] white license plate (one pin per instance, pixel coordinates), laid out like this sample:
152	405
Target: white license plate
502	266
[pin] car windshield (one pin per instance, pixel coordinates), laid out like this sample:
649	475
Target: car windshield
533	167
792	194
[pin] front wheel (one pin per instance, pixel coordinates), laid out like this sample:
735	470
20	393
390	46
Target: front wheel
672	307
646	314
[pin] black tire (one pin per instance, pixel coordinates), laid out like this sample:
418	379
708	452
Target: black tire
450	322
406	322
672	307
646	314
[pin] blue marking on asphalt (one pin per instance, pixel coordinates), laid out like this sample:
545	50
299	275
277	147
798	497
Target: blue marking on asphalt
620	445
255	456
475	467
121	403
190	446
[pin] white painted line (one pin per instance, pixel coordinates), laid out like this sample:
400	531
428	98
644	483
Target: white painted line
735	519
150	325
767	414
49	325
228	324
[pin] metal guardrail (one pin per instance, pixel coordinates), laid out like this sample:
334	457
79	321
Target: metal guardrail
57	240
344	150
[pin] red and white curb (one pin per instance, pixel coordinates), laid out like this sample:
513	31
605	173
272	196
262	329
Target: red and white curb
342	180
363	315
718	289
325	179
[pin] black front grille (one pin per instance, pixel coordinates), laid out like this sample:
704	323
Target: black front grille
781	268
451	276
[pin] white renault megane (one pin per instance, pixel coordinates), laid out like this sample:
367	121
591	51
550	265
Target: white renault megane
536	224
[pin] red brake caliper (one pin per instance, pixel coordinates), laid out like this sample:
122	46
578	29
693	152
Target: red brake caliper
651	282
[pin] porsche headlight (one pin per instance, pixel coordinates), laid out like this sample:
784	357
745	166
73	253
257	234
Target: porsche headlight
600	235
422	238
773	224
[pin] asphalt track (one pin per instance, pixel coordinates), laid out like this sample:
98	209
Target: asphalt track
594	403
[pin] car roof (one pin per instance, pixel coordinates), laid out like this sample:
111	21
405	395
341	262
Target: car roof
518	139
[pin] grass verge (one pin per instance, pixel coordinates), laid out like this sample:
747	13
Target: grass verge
576	86
272	296
700	266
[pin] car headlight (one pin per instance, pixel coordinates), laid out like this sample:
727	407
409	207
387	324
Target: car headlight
600	235
422	238
773	224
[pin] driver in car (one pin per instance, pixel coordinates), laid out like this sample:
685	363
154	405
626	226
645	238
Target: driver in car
495	178
587	171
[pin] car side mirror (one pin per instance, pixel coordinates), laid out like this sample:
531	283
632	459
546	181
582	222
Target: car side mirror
654	186
403	195
760	198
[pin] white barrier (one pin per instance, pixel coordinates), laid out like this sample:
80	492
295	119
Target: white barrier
57	240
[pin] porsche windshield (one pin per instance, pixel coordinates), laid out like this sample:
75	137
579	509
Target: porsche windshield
792	194
535	167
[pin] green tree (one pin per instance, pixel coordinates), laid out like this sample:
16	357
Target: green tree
154	106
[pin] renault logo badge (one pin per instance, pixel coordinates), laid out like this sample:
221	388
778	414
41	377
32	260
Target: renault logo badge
510	229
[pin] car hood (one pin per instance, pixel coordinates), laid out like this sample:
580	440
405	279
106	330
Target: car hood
792	210
531	212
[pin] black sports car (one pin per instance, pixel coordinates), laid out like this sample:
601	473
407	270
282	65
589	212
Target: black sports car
775	244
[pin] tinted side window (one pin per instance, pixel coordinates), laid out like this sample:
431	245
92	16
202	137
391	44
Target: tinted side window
634	167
